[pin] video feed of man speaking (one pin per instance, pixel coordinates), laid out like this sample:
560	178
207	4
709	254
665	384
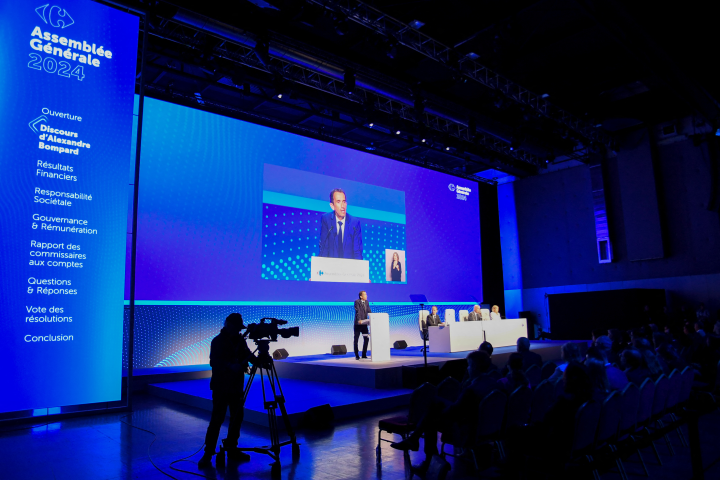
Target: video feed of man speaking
328	229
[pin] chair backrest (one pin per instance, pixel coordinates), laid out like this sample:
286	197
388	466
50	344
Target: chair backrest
609	418
449	315
518	407
456	369
449	389
542	399
662	389
463	314
485	313
586	423
675	380
422	318
534	375
629	406
688	377
547	370
420	401
491	413
647	394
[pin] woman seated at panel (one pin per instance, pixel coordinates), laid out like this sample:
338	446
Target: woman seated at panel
495	313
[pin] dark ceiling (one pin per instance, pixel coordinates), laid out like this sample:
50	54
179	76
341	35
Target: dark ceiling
509	86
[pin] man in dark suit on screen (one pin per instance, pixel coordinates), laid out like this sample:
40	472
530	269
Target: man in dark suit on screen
340	233
360	324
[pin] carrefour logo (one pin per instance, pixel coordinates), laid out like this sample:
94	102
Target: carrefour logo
461	193
54	16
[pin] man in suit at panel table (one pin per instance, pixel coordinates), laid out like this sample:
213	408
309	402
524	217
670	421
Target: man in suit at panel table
360	325
475	315
432	320
340	233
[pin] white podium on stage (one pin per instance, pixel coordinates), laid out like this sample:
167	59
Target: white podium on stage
379	337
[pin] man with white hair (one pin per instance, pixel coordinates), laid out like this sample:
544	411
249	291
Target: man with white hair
475	315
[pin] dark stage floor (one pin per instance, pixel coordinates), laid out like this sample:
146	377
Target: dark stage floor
101	447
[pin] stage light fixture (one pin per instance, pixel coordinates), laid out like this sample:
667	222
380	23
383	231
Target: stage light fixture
397	132
423	140
262	51
447	149
371	124
349	82
717	132
280	86
472	126
416	24
341	25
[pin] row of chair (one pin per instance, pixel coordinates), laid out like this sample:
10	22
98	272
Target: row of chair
632	418
629	419
524	405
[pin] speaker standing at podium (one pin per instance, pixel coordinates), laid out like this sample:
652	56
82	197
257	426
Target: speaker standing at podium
360	324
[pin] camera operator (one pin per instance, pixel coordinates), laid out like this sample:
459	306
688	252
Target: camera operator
229	356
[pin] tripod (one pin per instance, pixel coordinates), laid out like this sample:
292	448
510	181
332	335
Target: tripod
272	400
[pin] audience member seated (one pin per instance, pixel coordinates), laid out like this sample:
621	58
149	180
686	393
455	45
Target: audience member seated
488	348
443	413
650	360
716	328
569	353
597	333
635	370
515	377
616	378
560	419
616	337
598	378
528	358
702	313
604	344
659	339
692	344
671	357
699	329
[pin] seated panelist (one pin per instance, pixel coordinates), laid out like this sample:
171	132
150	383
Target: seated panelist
495	313
434	320
475	315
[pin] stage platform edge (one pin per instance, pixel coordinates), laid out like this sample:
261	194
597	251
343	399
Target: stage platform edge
346	401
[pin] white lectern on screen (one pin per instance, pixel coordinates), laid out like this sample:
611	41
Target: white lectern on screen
327	269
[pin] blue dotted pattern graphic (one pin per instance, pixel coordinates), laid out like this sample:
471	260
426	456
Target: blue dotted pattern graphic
181	335
290	238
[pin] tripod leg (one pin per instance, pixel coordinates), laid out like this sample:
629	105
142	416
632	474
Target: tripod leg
288	427
253	371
